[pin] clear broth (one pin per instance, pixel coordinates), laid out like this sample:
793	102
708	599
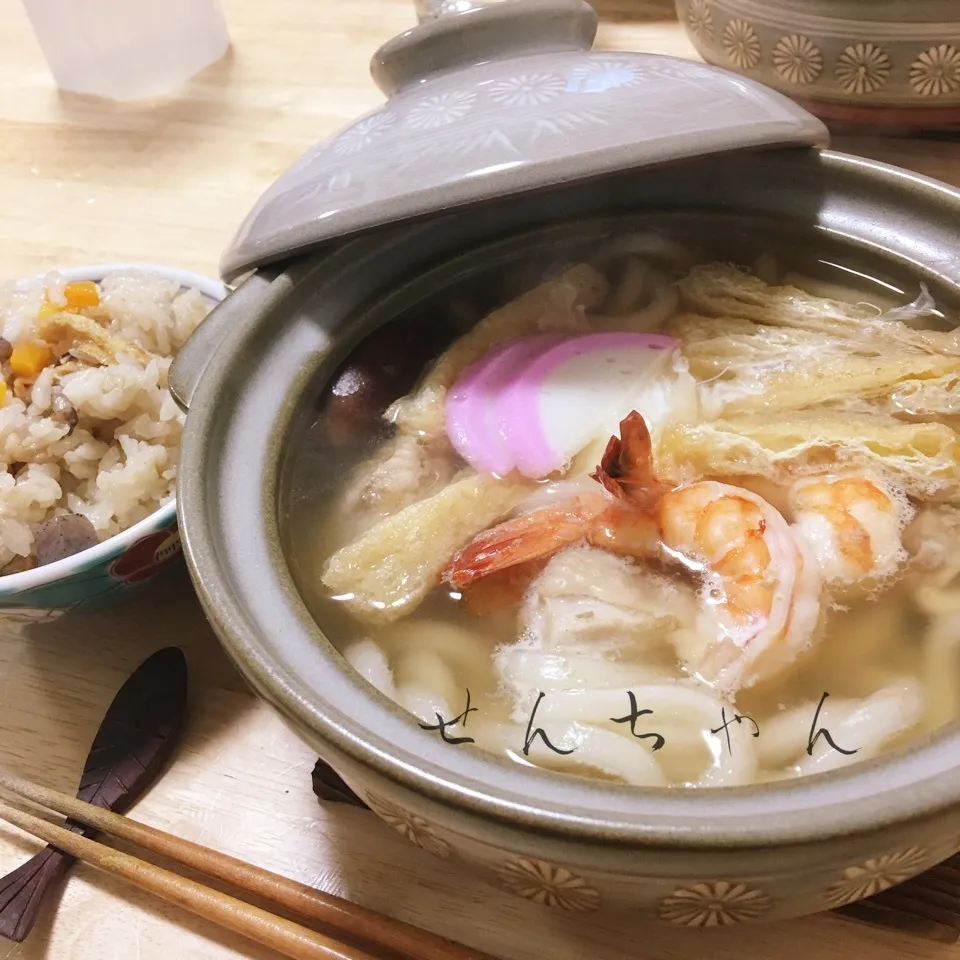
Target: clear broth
869	642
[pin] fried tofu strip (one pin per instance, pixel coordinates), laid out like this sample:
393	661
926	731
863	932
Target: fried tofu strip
923	459
723	290
558	304
744	367
386	573
938	397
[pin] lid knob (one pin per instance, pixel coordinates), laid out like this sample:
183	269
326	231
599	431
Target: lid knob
460	33
433	9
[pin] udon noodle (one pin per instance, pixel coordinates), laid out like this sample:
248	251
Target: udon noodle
657	518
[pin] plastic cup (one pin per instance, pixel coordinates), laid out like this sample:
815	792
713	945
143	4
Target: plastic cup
127	49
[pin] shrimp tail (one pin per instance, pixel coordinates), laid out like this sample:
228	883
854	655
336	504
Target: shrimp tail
526	538
626	468
625	472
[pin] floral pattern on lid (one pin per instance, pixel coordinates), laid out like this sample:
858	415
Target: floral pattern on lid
527	90
598	76
438	111
364	134
528	119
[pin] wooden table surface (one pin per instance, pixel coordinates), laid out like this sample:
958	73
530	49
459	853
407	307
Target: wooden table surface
84	182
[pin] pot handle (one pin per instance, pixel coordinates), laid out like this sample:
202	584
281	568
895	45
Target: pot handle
191	361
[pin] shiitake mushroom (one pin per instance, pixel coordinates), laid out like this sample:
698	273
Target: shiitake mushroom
64	536
387	365
384	367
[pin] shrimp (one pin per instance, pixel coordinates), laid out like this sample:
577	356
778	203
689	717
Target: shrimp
591	518
760	597
760	594
853	526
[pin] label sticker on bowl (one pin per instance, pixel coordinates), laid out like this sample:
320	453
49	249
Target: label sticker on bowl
146	556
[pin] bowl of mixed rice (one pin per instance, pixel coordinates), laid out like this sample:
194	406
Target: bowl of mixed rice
89	433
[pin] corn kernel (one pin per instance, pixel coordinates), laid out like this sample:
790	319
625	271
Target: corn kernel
81	293
3	392
28	359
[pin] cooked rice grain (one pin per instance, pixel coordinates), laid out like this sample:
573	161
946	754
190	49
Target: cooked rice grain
118	462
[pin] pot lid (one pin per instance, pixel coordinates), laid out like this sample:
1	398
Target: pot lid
488	101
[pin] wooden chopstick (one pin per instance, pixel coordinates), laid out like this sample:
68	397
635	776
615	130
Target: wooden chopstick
284	936
334	913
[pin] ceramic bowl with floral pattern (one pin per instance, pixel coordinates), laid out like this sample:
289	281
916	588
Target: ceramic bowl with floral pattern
893	64
110	570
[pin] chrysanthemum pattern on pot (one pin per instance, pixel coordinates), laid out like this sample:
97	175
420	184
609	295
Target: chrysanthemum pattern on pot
936	72
863	68
409	825
548	885
869	62
741	44
700	20
720	903
798	60
709	902
876	875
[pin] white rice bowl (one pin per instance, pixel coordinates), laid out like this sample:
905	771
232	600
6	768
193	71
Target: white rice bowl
115	461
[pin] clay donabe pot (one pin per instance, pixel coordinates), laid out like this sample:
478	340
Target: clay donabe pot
873	63
504	134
